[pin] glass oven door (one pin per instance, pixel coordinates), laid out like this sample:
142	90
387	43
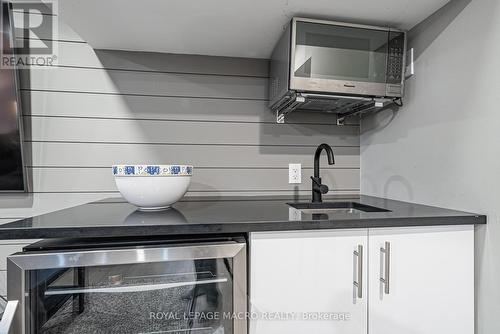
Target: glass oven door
177	289
340	59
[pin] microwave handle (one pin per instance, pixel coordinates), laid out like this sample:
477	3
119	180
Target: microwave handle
8	316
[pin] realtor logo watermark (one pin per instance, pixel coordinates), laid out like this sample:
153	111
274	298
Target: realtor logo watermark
31	43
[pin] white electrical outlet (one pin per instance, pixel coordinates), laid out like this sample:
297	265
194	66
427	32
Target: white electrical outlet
294	173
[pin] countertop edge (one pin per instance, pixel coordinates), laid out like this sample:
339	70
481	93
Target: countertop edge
236	227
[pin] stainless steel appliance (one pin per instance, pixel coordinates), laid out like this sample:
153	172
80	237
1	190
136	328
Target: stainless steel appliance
165	287
336	67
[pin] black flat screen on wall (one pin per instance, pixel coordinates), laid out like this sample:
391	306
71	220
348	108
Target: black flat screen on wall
11	162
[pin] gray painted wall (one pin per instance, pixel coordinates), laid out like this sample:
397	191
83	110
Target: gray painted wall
443	147
98	108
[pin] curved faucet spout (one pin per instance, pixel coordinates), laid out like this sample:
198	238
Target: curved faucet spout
317	187
317	155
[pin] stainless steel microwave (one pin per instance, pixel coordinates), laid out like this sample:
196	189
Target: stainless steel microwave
334	58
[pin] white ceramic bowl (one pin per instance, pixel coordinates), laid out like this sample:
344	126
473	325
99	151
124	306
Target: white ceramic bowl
152	187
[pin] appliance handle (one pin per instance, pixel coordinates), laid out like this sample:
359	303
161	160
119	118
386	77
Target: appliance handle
103	257
131	288
8	316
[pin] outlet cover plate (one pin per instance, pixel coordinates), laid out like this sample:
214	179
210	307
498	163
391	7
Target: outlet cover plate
294	173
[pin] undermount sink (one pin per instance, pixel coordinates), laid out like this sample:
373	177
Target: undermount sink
340	207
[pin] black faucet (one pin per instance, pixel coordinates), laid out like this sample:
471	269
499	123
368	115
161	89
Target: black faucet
317	188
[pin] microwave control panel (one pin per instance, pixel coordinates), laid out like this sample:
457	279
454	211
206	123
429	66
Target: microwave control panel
395	57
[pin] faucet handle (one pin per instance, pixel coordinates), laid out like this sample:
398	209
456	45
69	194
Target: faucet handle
323	188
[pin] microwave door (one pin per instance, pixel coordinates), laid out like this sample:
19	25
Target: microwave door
338	59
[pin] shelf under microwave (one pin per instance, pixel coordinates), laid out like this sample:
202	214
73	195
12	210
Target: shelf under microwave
342	105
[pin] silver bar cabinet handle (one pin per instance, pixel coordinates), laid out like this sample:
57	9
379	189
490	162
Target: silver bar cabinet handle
387	266
359	283
8	316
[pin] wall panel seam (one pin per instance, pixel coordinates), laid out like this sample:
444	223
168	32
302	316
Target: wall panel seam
290	191
185	120
114	69
145	95
203	167
16	10
51	40
150	71
180	144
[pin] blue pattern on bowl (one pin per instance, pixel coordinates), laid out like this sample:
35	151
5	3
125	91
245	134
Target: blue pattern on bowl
152	170
129	170
175	170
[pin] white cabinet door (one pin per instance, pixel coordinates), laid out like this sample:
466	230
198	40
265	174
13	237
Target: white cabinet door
431	280
303	282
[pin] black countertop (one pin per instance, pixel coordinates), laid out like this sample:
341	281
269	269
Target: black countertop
116	218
